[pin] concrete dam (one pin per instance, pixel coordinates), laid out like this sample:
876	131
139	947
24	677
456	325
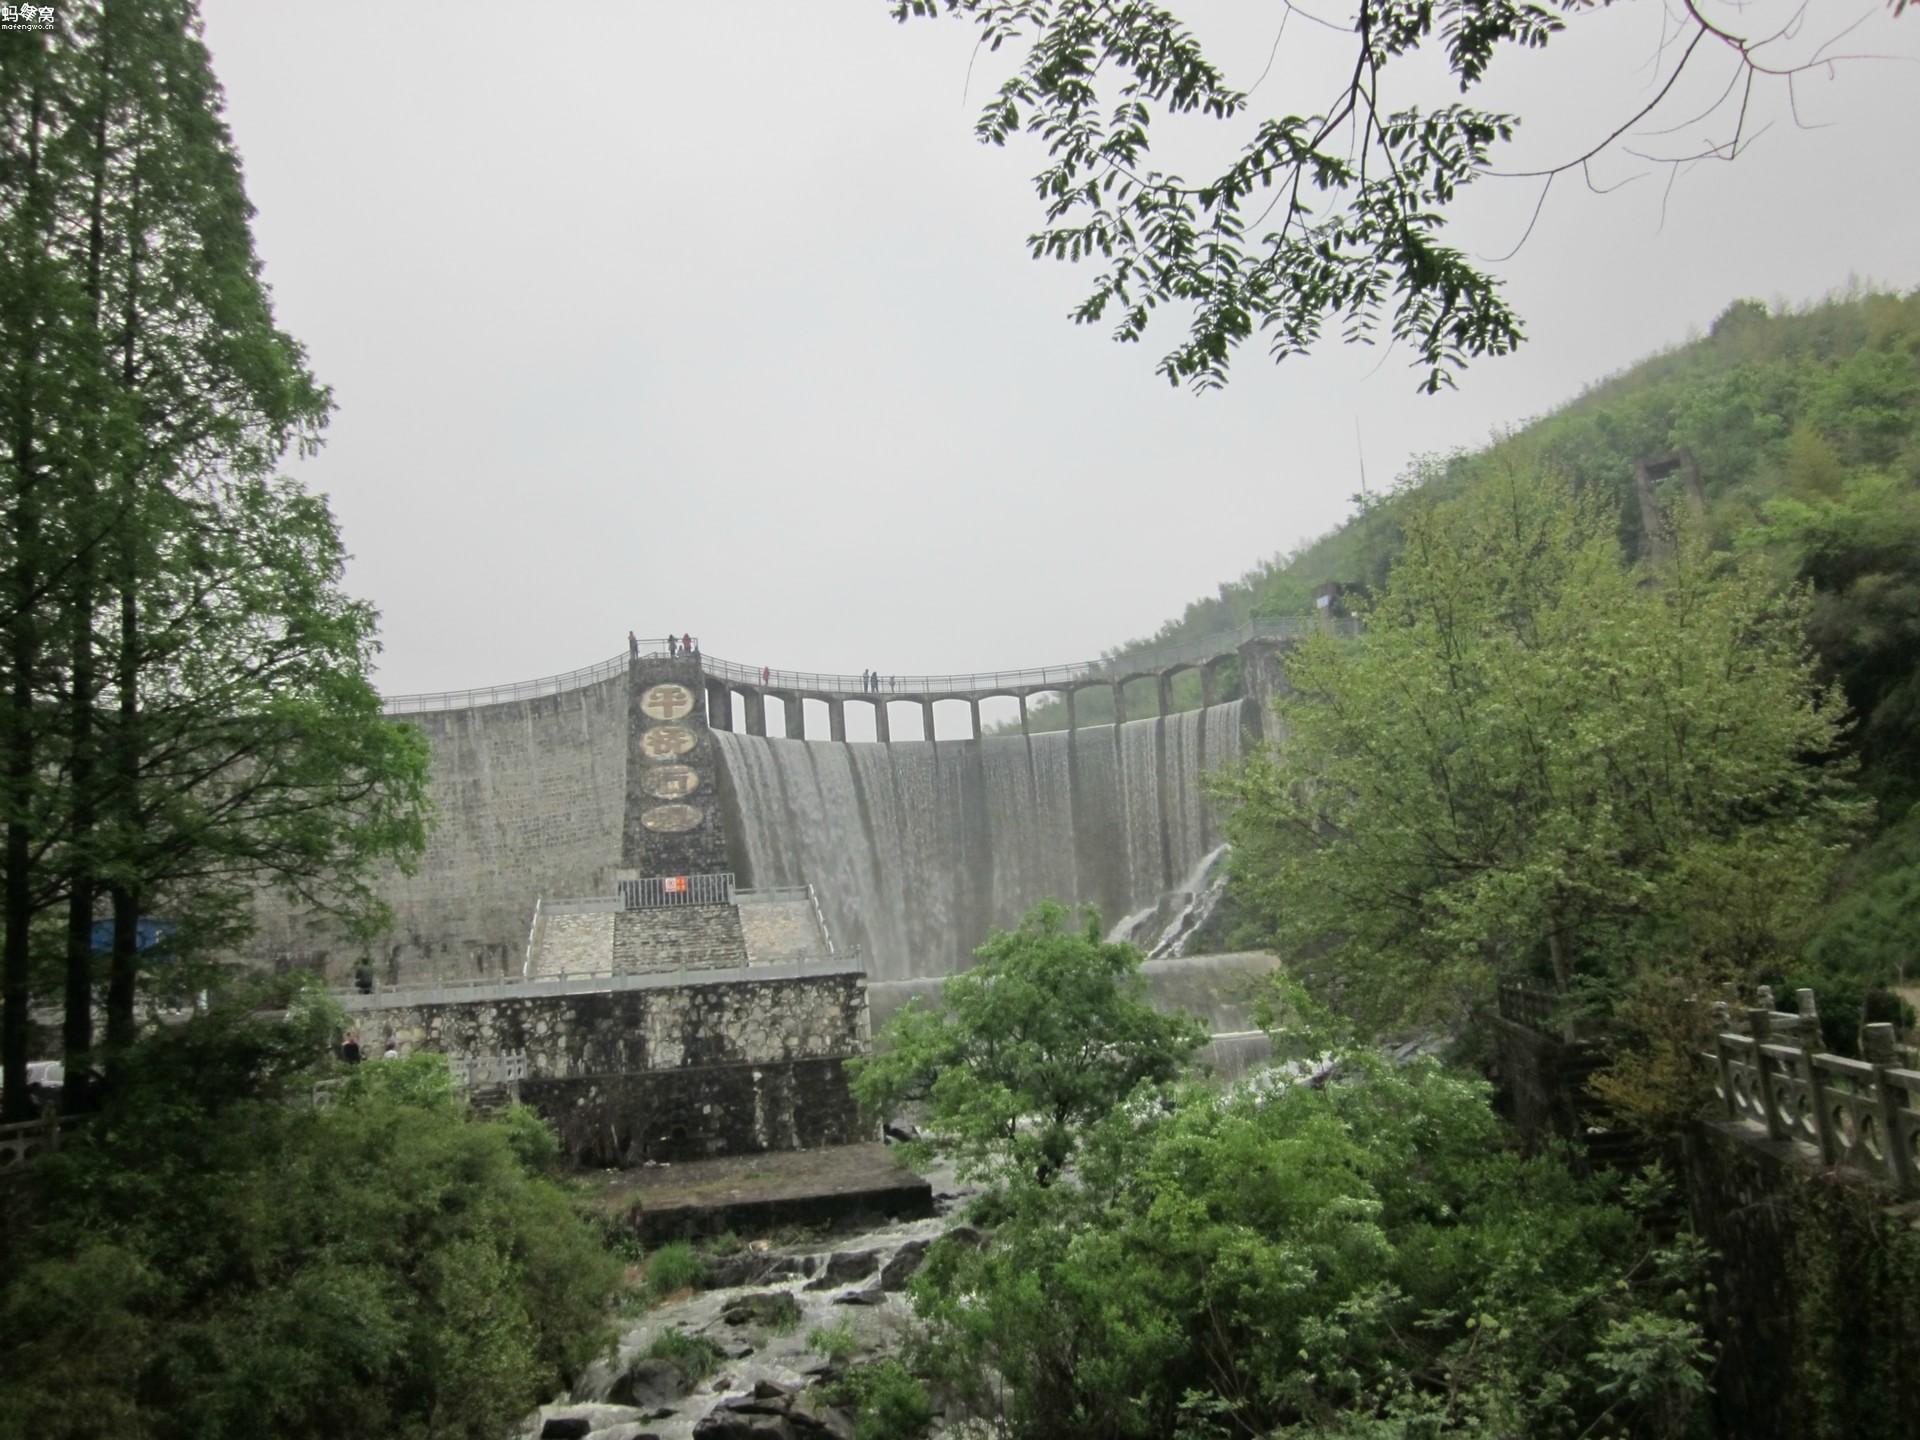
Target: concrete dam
563	789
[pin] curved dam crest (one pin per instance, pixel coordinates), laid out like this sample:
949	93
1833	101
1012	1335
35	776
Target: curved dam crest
918	848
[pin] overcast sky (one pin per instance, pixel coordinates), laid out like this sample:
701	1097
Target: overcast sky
716	318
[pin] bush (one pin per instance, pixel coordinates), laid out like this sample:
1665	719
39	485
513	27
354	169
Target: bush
696	1356
836	1342
208	1260
675	1267
1363	1258
886	1401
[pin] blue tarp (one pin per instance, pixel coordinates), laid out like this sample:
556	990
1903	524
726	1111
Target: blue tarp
148	934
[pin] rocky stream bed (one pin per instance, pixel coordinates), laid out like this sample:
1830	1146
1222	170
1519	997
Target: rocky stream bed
770	1380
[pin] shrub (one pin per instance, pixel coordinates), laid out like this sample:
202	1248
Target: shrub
208	1260
696	1356
674	1267
887	1402
836	1342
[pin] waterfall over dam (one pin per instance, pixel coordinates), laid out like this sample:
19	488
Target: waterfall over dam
916	849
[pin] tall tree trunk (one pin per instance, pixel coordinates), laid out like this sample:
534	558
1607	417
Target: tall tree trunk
23	658
82	885
78	1029
124	966
124	974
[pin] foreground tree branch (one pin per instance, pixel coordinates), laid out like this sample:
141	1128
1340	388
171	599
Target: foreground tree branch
1362	186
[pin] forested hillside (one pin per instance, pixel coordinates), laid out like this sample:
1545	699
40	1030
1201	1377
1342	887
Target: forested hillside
1804	428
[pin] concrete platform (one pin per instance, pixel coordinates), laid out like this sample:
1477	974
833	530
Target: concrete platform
839	1185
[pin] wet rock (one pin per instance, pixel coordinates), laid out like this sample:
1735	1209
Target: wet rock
759	1416
576	1421
736	1350
872	1295
967	1235
773	1411
843	1267
752	1268
812	1419
648	1384
906	1260
725	1424
772	1308
900	1130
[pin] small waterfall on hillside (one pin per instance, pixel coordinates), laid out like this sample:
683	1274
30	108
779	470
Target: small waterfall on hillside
917	849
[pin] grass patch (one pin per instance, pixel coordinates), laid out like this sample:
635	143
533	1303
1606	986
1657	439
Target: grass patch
695	1356
784	1315
674	1267
836	1342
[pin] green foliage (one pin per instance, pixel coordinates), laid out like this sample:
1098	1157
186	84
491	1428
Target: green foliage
674	1267
1538	759
886	1401
696	1356
188	713
1048	1032
837	1342
213	1257
780	1312
1367	1257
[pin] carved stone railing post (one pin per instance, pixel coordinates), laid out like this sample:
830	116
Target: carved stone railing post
1760	1026
1725	1063
1883	1056
1816	1082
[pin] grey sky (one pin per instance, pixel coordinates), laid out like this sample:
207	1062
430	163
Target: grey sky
716	318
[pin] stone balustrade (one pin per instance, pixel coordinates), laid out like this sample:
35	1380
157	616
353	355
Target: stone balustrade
30	1139
1771	1076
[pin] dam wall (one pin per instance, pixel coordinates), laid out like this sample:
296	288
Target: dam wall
917	849
530	799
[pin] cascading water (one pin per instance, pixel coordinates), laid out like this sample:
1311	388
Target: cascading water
917	849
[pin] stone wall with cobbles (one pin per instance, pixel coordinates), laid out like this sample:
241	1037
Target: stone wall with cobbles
680	1070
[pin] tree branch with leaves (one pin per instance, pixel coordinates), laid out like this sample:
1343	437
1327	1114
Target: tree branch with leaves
1330	217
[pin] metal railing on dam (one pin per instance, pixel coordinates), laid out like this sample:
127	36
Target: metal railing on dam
1147	660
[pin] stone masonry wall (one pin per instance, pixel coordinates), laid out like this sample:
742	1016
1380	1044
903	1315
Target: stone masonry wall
622	1120
664	1073
670	1027
529	799
678	937
1816	1295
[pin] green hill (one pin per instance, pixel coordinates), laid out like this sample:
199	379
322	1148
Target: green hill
1802	428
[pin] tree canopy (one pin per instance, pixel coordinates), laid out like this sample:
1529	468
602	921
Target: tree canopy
1540	760
215	1256
1291	1257
187	711
1048	1032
